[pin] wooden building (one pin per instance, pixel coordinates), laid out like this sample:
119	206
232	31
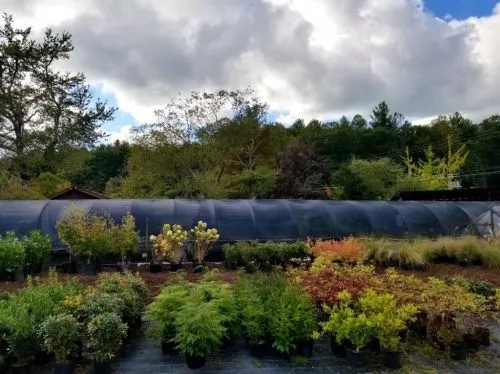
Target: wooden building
76	193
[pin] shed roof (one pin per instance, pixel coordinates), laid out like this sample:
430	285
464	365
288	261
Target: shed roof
81	193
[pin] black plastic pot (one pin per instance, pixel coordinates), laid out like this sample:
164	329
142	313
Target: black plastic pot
358	358
374	345
67	368
121	267
155	268
168	347
258	350
18	276
471	342
458	352
24	368
195	362
4	364
338	350
305	348
43	358
69	267
267	268
392	360
482	335
249	269
175	266
89	268
230	265
102	367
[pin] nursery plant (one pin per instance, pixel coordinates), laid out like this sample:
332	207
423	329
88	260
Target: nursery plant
61	336
131	289
348	249
200	330
12	256
123	237
103	338
170	243
37	250
204	238
86	234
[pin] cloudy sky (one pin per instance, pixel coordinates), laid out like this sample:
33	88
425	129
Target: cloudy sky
306	58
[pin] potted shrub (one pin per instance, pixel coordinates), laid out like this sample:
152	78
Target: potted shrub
199	331
87	236
292	321
104	337
204	238
163	311
337	325
12	256
61	336
391	324
37	249
20	336
124	238
170	243
233	255
130	289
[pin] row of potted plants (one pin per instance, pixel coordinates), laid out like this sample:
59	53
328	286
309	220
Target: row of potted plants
263	256
451	315
90	236
194	318
21	255
70	321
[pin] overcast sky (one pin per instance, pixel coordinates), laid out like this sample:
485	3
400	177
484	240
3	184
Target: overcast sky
306	58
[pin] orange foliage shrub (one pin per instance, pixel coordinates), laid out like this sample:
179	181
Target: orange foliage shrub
348	249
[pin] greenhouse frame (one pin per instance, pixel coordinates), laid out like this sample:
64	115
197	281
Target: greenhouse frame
277	220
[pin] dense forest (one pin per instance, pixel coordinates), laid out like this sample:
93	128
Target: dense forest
220	144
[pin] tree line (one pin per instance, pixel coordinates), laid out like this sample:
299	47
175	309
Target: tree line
219	144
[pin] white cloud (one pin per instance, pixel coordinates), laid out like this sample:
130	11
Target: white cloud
306	58
125	134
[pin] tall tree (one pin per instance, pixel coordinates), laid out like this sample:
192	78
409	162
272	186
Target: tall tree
41	108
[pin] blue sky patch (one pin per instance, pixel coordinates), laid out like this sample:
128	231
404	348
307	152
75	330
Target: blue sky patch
460	9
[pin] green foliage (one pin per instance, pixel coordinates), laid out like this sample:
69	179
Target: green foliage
418	253
196	316
12	253
271	307
273	253
37	247
129	288
373	315
123	237
22	314
375	180
199	327
255	183
48	184
104	336
86	234
165	307
61	336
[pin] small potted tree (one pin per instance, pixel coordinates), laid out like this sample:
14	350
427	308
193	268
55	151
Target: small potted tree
204	238
37	247
200	331
12	257
104	337
61	336
87	236
124	239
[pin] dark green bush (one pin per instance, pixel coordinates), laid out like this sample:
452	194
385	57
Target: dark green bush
37	248
12	254
271	253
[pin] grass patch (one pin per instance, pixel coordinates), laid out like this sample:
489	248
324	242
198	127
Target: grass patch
419	253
